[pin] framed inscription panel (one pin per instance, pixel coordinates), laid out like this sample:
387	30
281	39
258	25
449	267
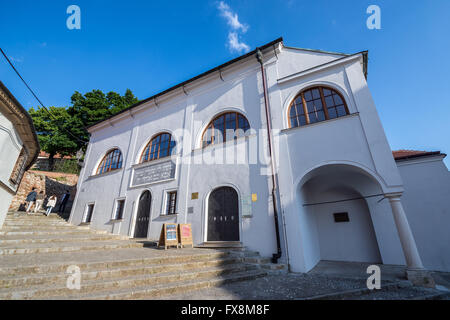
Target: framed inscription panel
153	173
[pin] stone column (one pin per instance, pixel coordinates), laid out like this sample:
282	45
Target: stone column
415	271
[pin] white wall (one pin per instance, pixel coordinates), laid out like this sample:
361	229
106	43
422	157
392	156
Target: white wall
346	241
426	201
10	146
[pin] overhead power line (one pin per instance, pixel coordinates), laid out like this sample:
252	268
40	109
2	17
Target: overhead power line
344	200
34	95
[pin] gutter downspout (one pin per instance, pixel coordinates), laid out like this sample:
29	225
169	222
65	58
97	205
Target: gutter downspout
277	255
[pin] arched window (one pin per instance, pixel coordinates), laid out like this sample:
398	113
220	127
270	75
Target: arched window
225	127
316	104
111	161
159	147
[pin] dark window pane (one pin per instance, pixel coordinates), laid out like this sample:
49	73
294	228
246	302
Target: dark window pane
326	92
312	118
294	122
329	101
302	120
341	111
308	96
318	104
293	111
337	99
310	106
316	93
332	113
321	115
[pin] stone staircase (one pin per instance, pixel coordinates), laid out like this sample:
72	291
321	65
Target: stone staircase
37	251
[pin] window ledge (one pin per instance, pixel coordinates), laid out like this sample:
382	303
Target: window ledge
104	174
223	144
320	122
163	216
116	220
156	161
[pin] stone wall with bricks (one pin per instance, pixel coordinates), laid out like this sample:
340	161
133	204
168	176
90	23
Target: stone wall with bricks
52	183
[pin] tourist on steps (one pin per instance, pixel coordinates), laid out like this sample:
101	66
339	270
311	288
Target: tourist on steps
31	198
51	204
64	200
39	201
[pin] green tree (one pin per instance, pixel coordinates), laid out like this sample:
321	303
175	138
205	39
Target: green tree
52	131
93	107
65	133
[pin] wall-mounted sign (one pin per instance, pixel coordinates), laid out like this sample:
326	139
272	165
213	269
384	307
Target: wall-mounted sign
194	195
246	205
254	197
154	173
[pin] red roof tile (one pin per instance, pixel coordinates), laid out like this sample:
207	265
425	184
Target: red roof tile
44	154
408	154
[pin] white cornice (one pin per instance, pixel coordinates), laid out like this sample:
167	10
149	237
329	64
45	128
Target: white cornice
319	68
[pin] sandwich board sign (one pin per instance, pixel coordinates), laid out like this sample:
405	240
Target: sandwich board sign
185	235
169	236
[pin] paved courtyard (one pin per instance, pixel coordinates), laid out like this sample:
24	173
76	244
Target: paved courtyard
328	280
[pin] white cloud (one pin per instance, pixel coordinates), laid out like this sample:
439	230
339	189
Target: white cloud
235	45
231	17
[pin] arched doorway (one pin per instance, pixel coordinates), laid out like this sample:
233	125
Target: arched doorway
223	215
143	215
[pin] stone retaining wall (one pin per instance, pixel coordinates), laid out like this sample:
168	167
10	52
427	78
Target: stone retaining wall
52	183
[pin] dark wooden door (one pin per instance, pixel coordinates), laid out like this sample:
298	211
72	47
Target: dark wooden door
143	215
223	215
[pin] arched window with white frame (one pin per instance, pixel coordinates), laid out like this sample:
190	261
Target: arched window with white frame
160	146
316	104
110	162
225	127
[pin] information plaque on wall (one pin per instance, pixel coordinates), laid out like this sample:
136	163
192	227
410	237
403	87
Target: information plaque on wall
246	205
154	173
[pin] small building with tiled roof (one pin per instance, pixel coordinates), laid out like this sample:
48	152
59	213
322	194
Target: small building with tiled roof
19	147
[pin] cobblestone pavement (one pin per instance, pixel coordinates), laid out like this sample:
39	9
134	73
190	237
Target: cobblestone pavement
302	286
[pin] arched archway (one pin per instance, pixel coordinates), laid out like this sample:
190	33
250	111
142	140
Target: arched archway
143	215
333	202
223	215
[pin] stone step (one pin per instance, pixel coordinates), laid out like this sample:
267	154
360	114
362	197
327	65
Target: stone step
36	223
33	217
99	286
19	239
221	244
60	247
162	290
32	232
43	227
8	281
100	260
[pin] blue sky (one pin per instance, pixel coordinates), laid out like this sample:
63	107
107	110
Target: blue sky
148	46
